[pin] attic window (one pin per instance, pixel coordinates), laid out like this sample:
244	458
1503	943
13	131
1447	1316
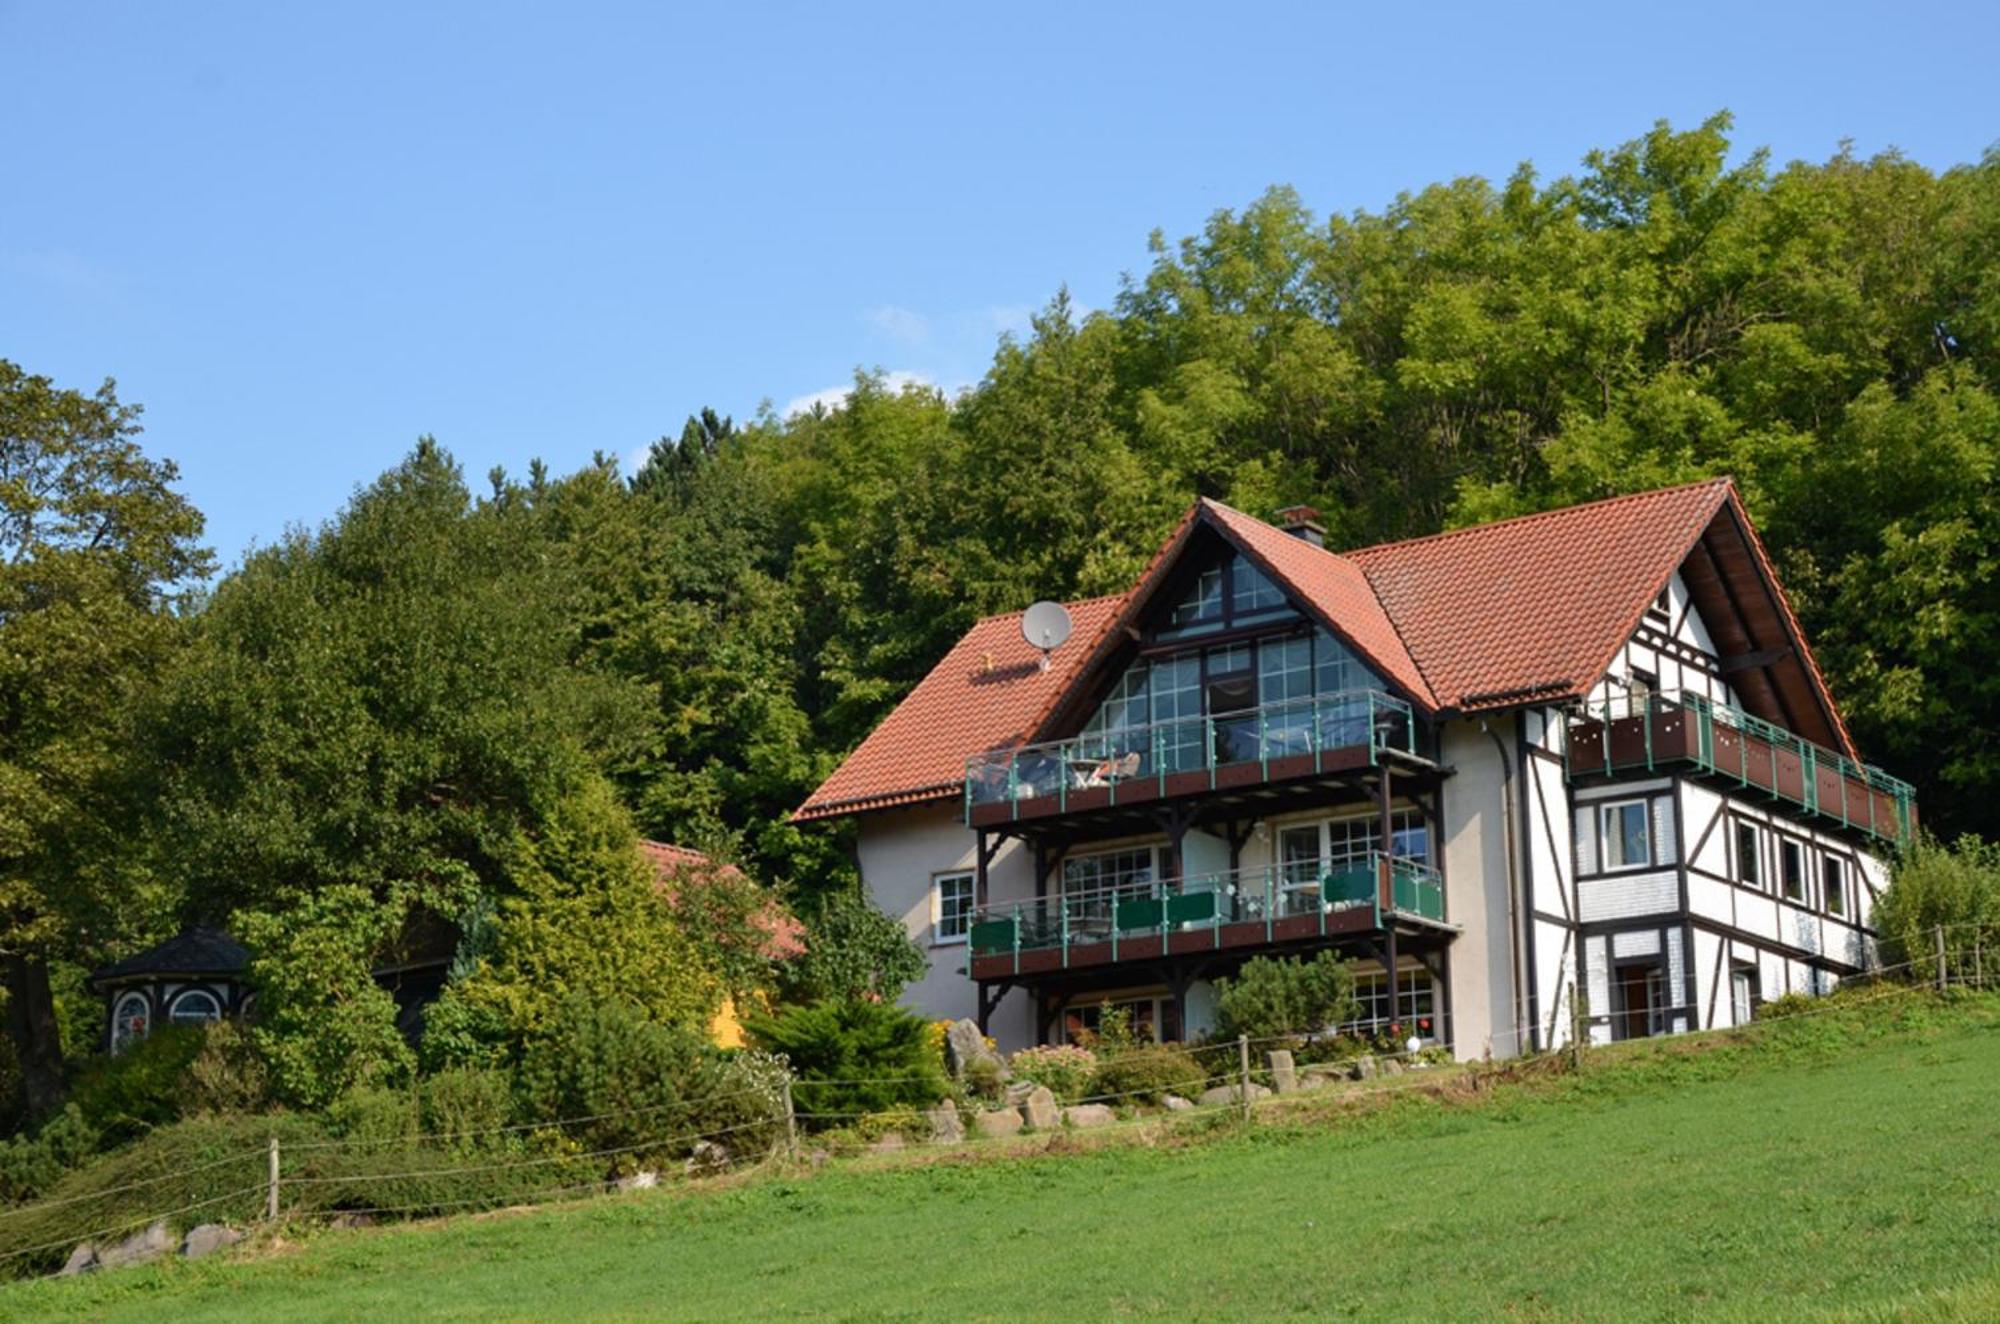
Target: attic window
1662	607
1204	603
1251	591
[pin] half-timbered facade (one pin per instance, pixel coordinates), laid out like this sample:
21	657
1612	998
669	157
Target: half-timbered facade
1573	768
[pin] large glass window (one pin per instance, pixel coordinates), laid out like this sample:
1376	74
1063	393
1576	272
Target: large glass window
1203	602
1350	840
1178	733
1251	592
1094	884
1749	855
1792	868
1833	882
1339	669
1414	1010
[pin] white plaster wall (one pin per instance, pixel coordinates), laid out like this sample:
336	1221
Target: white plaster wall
900	852
1472	845
1556	960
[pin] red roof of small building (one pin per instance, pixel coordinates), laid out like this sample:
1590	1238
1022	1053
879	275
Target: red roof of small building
1523	610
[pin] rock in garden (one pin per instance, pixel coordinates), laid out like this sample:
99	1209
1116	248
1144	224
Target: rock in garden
1392	1066
1222	1094
1087	1114
997	1123
203	1241
81	1260
888	1144
643	1181
963	1044
1284	1076
138	1248
1364	1068
1174	1103
1040	1109
706	1156
946	1128
353	1220
1017	1092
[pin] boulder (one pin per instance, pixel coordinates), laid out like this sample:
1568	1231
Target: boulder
997	1123
203	1241
643	1181
706	1156
1284	1076
81	1260
147	1244
1040	1109
353	1220
1222	1094
946	1127
888	1144
1392	1066
1174	1103
1363	1068
964	1044
1017	1092
1088	1114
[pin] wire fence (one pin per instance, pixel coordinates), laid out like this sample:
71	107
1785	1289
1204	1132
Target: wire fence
1226	1065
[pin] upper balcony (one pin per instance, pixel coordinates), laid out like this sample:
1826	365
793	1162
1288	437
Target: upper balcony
1657	731
1246	909
1294	739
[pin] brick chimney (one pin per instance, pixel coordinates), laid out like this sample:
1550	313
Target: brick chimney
1303	522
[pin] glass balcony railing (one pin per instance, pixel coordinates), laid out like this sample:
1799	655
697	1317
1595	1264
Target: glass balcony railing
1650	731
1243	908
1178	755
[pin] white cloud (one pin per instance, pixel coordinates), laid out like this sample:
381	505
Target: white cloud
911	328
835	396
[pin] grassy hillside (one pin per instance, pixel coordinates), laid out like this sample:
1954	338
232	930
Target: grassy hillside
1844	1164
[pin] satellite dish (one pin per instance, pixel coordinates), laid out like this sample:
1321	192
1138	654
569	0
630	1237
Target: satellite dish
1046	626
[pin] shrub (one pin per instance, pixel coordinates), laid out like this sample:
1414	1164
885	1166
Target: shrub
1149	1073
1273	997
1788	1004
853	952
30	1165
984	1077
1957	886
853	1057
375	1116
125	1096
227	1074
466	1108
649	1091
1067	1071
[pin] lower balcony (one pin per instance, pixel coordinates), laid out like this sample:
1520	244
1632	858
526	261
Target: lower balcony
1657	731
1249	908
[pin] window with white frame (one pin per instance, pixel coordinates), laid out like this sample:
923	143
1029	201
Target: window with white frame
1413	1012
1623	830
194	1006
1792	869
951	907
1749	854
1093	885
131	1017
1833	883
1743	993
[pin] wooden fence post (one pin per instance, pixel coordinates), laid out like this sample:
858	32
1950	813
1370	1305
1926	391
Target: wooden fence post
791	1124
271	1192
1578	1027
1937	933
1243	1073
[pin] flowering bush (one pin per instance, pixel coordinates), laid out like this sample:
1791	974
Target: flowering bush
1067	1071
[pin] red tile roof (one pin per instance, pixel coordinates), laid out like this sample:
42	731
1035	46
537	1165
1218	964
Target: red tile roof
987	693
1528	609
1533	608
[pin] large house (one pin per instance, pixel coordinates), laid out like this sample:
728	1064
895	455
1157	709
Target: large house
1574	768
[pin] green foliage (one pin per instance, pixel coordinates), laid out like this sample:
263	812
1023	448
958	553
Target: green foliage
143	1087
1279	996
650	1090
1956	886
466	1108
94	545
227	1074
851	1057
1066	1070
852	952
325	1024
1149	1073
30	1166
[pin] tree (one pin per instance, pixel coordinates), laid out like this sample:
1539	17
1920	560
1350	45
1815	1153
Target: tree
96	547
853	952
1271	997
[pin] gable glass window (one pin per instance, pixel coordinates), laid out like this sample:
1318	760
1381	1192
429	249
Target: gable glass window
1833	883
130	1019
1250	592
1203	603
1749	855
1792	868
194	1007
951	907
1178	734
1622	827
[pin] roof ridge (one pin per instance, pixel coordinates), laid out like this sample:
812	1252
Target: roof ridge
1721	480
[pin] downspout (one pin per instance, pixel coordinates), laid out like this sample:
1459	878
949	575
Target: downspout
1513	881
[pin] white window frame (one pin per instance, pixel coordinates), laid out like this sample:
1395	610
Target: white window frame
1804	898
188	995
120	1009
941	935
1742	994
1757	881
1834	892
1605	834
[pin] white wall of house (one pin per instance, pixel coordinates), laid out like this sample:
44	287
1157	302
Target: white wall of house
1472	845
901	853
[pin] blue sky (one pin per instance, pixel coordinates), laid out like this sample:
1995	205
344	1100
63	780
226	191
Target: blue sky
303	235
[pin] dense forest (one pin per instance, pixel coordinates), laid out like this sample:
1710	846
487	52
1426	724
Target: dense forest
463	698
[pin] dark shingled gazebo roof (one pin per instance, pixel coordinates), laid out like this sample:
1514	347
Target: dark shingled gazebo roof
200	950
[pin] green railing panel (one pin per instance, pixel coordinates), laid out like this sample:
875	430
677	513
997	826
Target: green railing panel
993	937
1141	913
1192	908
1353	885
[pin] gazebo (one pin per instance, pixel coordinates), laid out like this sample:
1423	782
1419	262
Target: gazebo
198	975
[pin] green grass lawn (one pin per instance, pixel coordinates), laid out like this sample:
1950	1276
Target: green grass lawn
1845	1165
